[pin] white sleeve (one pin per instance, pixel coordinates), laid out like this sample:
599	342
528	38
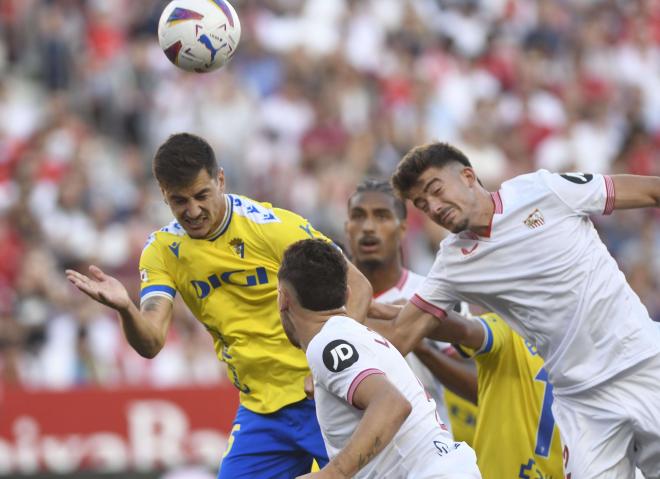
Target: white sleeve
340	364
584	193
435	295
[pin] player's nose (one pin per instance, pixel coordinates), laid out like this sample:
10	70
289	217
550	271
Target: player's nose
368	224
194	210
435	205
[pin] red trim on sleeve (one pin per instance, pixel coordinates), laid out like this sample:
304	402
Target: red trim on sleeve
609	188
358	379
427	307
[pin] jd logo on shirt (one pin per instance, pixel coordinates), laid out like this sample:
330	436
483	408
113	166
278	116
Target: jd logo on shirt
579	178
339	355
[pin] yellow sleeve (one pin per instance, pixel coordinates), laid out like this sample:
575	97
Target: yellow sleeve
155	280
290	229
496	334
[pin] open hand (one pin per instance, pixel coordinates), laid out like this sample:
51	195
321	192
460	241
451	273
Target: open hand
101	287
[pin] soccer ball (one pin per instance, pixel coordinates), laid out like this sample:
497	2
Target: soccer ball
199	35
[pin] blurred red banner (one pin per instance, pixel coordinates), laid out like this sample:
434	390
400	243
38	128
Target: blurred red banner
114	429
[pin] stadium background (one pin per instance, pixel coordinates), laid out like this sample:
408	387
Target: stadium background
319	94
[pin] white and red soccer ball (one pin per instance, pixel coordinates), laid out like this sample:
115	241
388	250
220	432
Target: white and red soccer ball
199	35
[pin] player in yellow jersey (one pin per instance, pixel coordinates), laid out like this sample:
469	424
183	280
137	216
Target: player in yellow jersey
222	253
516	436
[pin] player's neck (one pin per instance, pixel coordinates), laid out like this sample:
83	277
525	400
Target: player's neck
483	220
310	323
384	277
222	217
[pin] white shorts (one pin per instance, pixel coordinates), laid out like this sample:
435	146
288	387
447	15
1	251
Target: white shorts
434	458
612	427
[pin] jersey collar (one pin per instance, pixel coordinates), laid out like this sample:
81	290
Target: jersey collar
398	285
224	224
498	208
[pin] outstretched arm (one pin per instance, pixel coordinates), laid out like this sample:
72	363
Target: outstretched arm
385	410
634	191
145	329
406	327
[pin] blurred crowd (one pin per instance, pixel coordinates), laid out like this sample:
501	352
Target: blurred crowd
319	94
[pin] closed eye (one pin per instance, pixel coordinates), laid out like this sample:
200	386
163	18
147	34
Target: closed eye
421	204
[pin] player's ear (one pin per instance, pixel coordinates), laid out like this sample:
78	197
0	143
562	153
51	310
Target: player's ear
285	297
469	175
348	294
221	179
282	300
403	225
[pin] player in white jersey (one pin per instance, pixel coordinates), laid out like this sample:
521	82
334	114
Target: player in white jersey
376	419
530	253
375	228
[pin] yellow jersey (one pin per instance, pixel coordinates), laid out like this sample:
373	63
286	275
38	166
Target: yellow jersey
516	436
462	417
229	282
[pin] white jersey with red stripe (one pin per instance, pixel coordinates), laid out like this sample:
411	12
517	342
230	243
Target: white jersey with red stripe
341	356
405	288
544	269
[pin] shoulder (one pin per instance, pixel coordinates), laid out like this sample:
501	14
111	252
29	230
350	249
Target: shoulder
338	327
165	235
524	189
252	211
544	180
523	184
336	347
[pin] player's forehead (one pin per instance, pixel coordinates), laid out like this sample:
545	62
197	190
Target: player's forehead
200	183
371	201
432	176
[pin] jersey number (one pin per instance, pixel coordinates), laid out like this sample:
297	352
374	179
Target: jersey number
547	420
230	441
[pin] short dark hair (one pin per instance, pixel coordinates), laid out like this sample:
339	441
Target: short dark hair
421	158
317	271
381	186
181	157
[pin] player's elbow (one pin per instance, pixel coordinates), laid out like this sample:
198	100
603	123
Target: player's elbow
398	407
401	409
148	353
148	350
